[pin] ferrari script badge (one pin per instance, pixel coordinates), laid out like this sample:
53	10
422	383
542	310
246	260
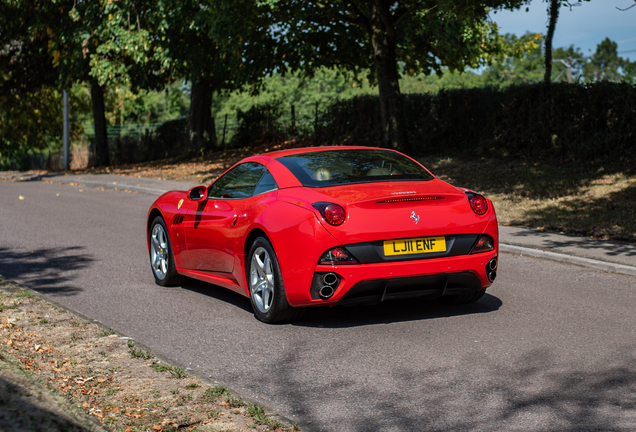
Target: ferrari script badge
415	218
180	204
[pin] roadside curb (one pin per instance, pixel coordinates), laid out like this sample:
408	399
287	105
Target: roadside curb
118	187
585	262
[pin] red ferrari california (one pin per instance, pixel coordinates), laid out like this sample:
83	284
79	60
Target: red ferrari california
326	226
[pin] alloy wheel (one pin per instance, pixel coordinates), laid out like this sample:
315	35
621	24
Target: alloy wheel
159	251
262	280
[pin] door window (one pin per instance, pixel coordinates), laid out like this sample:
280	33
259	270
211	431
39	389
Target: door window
242	181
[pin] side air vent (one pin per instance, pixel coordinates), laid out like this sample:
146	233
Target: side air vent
407	199
177	220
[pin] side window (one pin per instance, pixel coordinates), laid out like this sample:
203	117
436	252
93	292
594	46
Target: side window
266	184
237	183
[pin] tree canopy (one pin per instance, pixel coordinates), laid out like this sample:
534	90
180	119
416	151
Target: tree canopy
390	38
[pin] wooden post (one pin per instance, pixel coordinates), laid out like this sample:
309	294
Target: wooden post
316	123
66	131
224	128
293	120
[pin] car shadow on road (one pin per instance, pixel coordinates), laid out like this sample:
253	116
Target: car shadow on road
222	294
353	316
48	271
394	311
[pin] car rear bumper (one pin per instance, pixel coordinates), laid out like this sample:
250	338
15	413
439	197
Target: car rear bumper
373	283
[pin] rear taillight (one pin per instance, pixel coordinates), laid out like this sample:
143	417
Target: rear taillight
484	244
478	203
334	214
337	255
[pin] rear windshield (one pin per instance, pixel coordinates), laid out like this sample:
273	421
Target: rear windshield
339	167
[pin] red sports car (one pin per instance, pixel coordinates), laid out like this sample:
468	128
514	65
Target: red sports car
326	226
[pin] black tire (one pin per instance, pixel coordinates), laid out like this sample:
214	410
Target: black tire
161	256
470	297
265	283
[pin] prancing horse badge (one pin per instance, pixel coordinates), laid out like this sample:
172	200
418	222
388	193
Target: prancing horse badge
415	217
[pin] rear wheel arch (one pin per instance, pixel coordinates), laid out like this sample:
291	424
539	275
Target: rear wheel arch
251	237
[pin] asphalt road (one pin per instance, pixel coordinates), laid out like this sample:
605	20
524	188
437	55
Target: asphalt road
551	347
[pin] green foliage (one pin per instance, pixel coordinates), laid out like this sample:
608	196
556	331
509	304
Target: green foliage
135	353
235	402
428	34
257	412
177	373
606	65
31	125
25	294
146	106
258	124
324	86
215	392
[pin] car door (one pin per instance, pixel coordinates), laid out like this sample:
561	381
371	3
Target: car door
210	224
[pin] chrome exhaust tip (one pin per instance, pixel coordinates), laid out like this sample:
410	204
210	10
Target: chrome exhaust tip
330	279
490	270
326	291
492	265
492	275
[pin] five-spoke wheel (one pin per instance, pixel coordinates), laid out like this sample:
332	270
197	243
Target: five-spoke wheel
161	256
159	251
261	280
267	292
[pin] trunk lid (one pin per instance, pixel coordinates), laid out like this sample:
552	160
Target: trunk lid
394	210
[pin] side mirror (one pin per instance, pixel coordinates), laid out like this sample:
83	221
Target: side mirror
198	193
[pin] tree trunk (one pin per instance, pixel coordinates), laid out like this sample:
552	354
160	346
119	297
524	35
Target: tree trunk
382	37
201	130
553	12
99	120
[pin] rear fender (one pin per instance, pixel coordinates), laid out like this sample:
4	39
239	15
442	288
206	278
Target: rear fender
264	220
298	250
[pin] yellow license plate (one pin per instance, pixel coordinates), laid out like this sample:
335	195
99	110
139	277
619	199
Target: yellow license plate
414	246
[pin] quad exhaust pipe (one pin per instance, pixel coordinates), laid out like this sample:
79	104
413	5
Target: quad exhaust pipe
491	268
327	290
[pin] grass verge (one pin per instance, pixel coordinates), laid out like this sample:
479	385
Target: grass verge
59	372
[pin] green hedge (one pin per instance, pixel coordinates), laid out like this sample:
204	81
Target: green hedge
569	121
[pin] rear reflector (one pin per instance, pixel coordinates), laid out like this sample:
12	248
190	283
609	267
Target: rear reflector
338	255
484	244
